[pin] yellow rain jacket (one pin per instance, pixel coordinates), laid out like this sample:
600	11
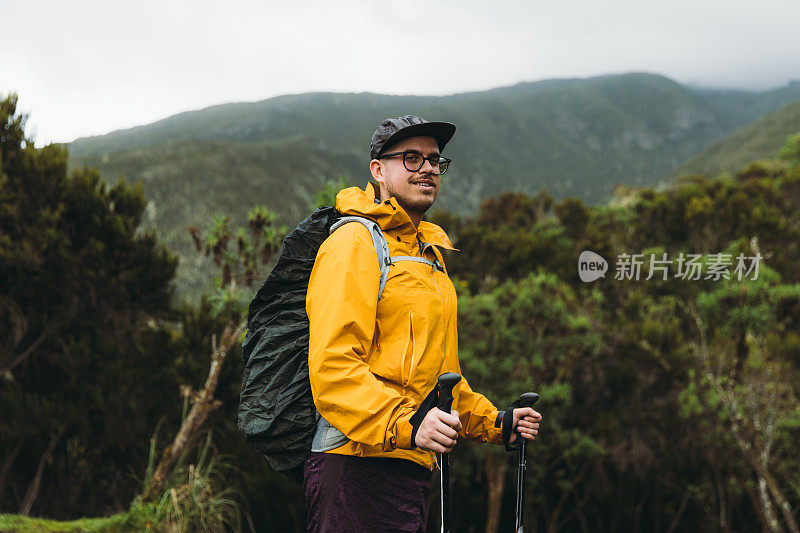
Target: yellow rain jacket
372	362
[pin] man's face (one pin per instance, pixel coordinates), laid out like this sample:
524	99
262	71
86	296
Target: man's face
414	191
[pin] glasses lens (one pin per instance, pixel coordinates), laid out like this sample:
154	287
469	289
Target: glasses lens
413	161
443	164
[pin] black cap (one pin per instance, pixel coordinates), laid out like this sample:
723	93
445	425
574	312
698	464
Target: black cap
396	129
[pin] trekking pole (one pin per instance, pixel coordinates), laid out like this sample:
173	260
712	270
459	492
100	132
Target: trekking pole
526	400
445	386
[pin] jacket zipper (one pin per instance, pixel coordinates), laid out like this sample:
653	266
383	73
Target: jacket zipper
406	380
441	299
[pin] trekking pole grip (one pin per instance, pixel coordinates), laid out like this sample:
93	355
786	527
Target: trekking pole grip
445	385
528	399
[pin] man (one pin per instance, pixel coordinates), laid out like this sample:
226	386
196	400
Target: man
373	361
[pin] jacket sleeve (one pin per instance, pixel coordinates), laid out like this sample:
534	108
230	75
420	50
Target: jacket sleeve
341	304
478	415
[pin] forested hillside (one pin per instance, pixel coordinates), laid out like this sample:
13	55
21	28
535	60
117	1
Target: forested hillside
573	138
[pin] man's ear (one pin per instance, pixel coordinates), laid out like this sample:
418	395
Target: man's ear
376	169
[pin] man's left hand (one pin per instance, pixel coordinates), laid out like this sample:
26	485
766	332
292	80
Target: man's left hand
526	422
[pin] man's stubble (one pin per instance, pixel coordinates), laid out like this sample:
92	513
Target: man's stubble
420	205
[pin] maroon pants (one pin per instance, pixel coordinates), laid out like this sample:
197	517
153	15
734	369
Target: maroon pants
365	494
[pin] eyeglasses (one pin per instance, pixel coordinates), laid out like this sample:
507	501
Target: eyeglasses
413	161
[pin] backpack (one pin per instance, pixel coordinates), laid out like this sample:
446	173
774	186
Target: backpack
276	410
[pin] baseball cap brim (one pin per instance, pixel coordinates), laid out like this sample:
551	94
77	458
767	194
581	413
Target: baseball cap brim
441	131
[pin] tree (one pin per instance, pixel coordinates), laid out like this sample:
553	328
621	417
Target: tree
532	335
745	388
82	294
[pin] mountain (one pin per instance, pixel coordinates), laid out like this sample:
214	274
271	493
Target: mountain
751	105
572	137
761	139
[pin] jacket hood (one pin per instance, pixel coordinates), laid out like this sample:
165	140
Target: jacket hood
389	215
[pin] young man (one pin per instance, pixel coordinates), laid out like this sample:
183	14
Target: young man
372	361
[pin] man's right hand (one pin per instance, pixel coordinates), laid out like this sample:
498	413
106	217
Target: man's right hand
438	431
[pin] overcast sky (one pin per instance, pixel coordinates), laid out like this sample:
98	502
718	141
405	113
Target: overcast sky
85	67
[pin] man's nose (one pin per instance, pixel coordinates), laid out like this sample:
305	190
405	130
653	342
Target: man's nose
427	167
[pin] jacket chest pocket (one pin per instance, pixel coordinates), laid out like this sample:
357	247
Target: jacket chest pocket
405	346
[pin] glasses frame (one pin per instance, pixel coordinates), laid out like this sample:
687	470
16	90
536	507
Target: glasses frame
405	154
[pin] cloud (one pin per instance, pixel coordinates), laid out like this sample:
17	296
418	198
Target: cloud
87	67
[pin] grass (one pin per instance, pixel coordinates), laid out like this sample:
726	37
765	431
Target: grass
193	500
10	522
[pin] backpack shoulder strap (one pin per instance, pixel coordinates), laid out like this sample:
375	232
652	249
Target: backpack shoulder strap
434	264
422	245
378	240
382	248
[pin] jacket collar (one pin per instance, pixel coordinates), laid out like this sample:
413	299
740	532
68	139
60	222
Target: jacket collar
389	215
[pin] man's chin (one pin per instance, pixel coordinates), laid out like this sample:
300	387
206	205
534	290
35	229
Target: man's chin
420	205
